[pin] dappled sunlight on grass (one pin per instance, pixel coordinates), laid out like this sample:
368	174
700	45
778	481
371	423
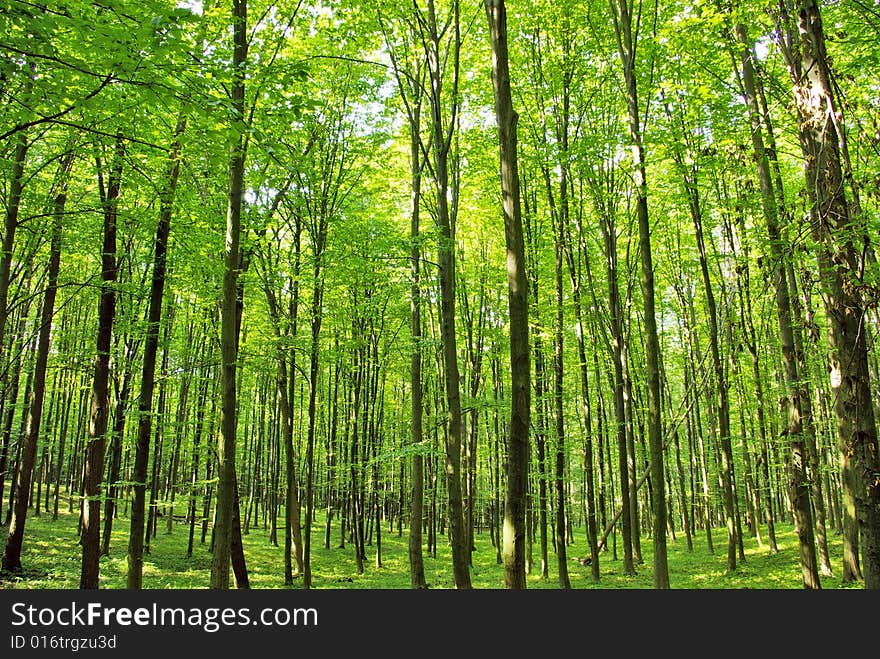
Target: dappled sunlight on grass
51	558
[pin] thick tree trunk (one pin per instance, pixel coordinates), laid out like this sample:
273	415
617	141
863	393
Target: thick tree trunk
841	241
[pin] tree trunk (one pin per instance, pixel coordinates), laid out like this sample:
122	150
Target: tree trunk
10	224
116	438
538	494
12	551
226	486
518	439
558	352
100	403
561	558
446	263
9	415
319	242
196	454
794	393
416	560
626	47
148	368
841	239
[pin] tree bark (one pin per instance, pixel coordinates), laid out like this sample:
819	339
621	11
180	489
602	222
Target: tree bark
100	403
794	389
416	560
622	19
116	437
22	486
10	220
518	439
226	484
148	368
446	263
841	241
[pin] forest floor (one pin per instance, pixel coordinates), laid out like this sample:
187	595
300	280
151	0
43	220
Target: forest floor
51	560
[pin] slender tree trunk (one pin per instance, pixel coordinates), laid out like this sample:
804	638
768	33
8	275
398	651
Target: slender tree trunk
814	477
689	173
10	225
558	363
148	369
332	475
116	438
226	487
585	393
541	446
446	263
538	490
179	436
22	486
319	242
721	388
293	545
196	454
626	46
561	558
100	403
159	435
9	417
518	439
416	560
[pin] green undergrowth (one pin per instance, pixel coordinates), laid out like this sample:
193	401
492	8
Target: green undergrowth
51	560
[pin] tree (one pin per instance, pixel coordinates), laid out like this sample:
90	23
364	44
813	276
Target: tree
100	399
794	430
841	240
627	39
230	317
12	550
442	129
145	401
517	290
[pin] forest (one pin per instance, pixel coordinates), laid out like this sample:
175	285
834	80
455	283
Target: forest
439	294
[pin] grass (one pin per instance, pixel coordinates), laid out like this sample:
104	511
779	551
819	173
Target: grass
51	560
